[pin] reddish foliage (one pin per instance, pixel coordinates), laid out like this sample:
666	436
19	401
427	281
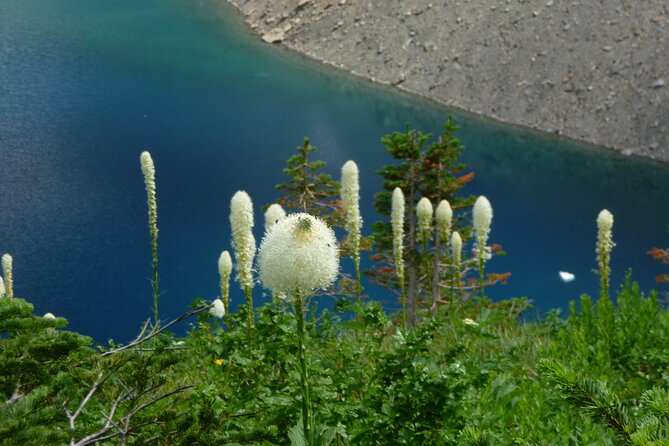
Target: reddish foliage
663	256
498	278
464	179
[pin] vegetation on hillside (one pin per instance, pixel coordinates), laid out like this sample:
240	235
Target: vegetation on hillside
452	367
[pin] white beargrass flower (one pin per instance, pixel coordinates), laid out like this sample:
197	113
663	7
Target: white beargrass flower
218	309
149	172
350	195
7	273
456	248
273	214
482	219
49	316
300	254
424	212
224	271
241	222
604	231
444	217
397	222
604	246
2	288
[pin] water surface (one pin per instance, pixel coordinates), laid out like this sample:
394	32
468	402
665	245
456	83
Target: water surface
86	86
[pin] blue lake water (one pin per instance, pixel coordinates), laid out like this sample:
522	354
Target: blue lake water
86	86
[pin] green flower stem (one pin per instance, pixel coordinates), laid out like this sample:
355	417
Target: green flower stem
456	279
358	283
248	292
154	254
403	300
304	371
482	269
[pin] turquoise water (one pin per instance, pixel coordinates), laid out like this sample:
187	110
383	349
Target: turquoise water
86	86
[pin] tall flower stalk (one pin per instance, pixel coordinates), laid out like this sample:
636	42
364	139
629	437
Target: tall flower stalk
241	222
397	223
443	217
225	271
7	273
2	288
424	212
482	216
456	253
350	194
604	246
299	255
149	172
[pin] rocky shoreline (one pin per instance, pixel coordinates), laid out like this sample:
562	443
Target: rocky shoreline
596	71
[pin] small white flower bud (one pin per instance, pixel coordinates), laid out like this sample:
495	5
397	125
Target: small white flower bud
605	245
273	214
49	316
7	273
456	248
350	195
444	217
218	310
482	219
224	271
241	222
397	222
300	254
424	212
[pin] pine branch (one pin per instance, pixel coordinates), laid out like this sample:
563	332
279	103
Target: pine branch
591	396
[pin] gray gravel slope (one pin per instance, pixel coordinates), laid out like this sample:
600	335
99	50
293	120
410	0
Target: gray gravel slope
594	70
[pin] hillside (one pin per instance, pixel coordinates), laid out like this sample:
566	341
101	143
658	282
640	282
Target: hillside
593	71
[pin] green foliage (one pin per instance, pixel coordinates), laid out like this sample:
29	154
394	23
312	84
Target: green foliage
309	189
35	364
431	170
472	374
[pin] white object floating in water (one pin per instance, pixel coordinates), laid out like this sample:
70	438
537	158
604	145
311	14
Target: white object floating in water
566	277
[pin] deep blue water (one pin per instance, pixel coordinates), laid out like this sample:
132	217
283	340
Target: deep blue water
86	86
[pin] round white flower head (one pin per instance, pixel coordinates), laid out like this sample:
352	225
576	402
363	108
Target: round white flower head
49	316
424	212
241	222
225	270
300	254
7	273
397	223
2	288
273	214
482	219
218	309
350	195
456	248
444	217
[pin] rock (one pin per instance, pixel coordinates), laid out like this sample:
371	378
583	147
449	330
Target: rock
627	152
654	145
275	35
658	83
